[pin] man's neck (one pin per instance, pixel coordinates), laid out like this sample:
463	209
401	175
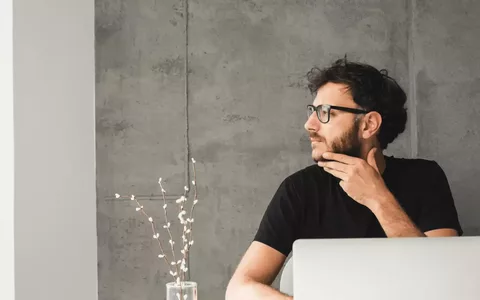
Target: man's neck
379	157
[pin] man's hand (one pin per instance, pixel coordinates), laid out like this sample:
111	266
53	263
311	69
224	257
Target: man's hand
360	179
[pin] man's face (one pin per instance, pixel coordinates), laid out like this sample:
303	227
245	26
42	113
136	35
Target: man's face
341	133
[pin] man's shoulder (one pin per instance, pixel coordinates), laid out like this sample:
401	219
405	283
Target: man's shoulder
306	172
306	177
414	161
414	166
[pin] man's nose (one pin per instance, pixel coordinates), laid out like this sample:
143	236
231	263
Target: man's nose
312	124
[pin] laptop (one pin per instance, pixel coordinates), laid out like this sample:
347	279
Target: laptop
444	268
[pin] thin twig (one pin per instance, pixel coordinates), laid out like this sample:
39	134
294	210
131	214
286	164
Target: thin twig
172	242
180	217
187	233
195	200
190	228
154	230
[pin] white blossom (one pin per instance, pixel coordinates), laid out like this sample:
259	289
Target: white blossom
185	297
117	196
180	217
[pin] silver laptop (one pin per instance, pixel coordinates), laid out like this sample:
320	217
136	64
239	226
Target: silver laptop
381	269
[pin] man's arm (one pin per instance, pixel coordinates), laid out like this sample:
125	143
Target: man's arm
255	273
396	223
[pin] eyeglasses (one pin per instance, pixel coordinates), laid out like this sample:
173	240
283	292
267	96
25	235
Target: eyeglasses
323	111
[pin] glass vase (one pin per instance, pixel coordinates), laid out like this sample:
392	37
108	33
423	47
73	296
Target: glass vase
186	290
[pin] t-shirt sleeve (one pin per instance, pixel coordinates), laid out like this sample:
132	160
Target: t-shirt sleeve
279	225
438	207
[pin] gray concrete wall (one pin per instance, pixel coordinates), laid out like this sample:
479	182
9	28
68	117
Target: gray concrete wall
447	83
245	112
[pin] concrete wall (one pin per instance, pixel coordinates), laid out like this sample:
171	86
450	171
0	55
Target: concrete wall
447	83
244	114
55	220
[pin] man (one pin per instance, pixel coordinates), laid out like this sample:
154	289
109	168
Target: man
353	190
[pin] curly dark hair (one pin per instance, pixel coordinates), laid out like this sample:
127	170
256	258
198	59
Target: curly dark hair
371	89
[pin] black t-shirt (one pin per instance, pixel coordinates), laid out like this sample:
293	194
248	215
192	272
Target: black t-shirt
311	204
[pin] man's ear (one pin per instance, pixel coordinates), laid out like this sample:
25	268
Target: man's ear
371	124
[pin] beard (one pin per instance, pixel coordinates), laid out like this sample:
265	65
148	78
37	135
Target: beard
348	144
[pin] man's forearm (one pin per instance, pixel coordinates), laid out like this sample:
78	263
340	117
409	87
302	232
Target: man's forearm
254	290
393	219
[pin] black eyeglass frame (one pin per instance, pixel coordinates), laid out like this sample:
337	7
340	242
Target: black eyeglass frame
330	107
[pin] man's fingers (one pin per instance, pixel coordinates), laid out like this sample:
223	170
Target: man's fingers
338	166
338	174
